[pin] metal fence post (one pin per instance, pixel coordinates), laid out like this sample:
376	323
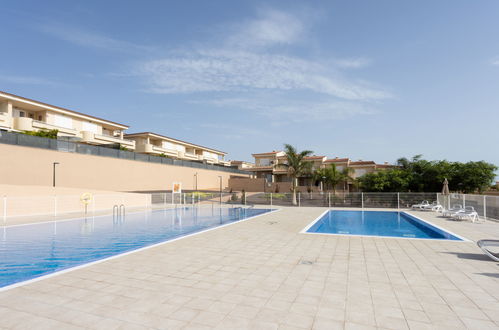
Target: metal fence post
270	200
464	200
4	209
299	199
329	199
398	201
484	206
55	206
362	199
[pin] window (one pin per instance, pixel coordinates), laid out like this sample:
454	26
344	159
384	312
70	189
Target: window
265	161
21	114
168	145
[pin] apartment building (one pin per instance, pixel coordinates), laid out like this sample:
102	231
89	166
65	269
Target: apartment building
21	114
242	165
267	166
156	144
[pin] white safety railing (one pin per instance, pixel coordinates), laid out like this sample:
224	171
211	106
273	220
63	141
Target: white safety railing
486	206
47	207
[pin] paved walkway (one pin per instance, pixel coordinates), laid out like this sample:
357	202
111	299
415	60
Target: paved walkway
264	274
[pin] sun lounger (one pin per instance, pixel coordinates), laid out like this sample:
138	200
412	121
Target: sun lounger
453	210
487	244
468	213
429	207
420	205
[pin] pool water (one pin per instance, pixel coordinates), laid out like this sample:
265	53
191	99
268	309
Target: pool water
30	251
378	223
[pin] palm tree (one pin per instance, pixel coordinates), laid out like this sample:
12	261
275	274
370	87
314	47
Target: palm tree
347	174
333	177
330	176
297	166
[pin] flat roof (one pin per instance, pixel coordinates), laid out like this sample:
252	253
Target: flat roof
172	139
46	105
266	153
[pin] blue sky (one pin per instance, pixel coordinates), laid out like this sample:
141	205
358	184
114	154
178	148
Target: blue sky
361	79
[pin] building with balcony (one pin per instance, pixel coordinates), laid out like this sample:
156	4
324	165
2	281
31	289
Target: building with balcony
270	166
156	144
242	165
20	114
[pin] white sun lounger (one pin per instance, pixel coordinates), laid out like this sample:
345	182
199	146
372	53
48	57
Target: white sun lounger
429	207
468	213
486	244
420	205
453	210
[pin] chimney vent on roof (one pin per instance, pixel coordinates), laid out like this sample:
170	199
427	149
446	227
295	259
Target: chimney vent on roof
386	163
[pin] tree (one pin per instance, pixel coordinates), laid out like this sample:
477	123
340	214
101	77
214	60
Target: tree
347	176
296	166
330	176
420	175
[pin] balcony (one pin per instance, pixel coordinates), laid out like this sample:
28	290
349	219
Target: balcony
28	124
92	138
5	120
45	126
190	156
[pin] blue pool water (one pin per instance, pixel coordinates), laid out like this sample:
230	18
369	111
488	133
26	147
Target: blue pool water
34	250
377	223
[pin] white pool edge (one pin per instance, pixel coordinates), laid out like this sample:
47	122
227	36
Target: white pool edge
57	273
462	239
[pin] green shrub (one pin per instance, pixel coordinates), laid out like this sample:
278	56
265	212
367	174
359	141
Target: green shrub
50	134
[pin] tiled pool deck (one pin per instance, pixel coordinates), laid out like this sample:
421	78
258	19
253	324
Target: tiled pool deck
264	274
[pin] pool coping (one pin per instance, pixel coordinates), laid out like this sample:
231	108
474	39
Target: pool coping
462	239
67	270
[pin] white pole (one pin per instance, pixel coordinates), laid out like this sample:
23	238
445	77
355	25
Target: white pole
464	200
164	201
329	199
4	209
299	199
362	199
398	201
270	200
55	206
484	206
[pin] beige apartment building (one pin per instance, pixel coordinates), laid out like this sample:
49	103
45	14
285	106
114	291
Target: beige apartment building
267	167
21	114
242	165
156	144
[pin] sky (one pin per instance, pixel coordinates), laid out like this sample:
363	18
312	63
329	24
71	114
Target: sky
371	80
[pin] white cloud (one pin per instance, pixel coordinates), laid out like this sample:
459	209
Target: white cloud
294	111
251	69
353	63
271	27
495	61
91	39
228	70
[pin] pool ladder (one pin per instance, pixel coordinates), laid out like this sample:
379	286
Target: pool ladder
118	212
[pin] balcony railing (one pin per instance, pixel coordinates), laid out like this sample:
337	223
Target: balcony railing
44	125
81	148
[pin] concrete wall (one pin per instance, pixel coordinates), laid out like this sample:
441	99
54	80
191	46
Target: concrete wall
33	166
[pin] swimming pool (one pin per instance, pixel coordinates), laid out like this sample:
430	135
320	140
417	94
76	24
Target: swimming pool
34	250
377	223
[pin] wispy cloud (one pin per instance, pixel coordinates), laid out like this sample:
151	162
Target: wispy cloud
91	39
269	28
294	110
254	60
495	61
227	70
27	80
353	63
